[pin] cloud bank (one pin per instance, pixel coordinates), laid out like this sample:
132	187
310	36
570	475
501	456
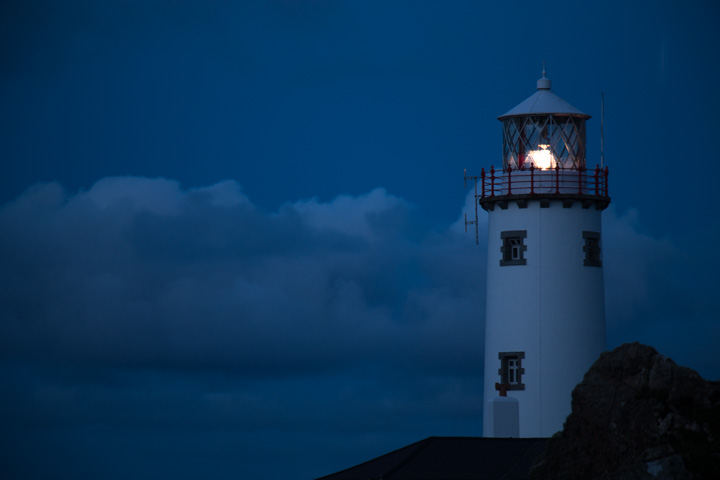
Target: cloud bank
141	305
137	272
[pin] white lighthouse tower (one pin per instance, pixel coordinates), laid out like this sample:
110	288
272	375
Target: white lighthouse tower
545	317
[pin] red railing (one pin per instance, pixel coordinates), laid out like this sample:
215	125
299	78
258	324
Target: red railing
534	181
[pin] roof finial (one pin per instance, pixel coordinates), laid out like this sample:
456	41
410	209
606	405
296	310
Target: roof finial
544	83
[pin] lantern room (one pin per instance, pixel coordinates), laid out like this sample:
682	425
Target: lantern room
544	132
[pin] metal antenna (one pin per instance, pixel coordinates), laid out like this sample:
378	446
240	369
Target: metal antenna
543	68
472	222
602	133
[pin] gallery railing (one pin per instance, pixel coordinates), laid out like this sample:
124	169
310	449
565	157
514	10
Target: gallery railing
535	181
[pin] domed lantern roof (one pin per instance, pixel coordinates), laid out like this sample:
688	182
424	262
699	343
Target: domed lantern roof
544	132
544	102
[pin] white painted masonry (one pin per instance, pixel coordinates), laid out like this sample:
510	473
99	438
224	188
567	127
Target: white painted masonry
552	308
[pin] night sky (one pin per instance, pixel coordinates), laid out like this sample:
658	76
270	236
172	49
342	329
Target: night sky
231	233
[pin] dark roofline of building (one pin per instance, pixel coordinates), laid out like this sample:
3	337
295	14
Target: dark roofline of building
450	458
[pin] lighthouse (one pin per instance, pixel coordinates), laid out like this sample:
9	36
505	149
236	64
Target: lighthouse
545	310
545	306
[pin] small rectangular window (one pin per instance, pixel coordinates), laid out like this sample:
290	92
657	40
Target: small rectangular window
513	247
592	249
511	370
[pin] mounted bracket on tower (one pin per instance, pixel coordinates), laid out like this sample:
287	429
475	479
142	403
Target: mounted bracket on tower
472	222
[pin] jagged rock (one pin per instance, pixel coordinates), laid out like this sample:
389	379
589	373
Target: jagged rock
637	415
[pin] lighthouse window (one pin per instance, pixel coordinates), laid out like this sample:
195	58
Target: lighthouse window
513	247
592	249
511	370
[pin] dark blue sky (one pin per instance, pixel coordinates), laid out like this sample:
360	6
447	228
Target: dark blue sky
232	243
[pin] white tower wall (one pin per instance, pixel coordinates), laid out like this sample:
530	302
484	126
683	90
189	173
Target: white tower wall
551	309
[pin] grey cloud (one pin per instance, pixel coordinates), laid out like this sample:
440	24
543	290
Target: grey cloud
138	308
137	271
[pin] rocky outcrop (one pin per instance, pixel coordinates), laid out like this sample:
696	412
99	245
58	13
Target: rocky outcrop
637	415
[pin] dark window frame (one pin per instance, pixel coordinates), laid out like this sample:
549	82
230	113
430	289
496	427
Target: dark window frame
504	370
513	247
592	249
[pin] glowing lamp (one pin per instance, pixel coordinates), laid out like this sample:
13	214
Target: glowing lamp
543	158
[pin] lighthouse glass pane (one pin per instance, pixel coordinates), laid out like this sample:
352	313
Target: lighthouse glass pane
515	251
543	142
513	365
